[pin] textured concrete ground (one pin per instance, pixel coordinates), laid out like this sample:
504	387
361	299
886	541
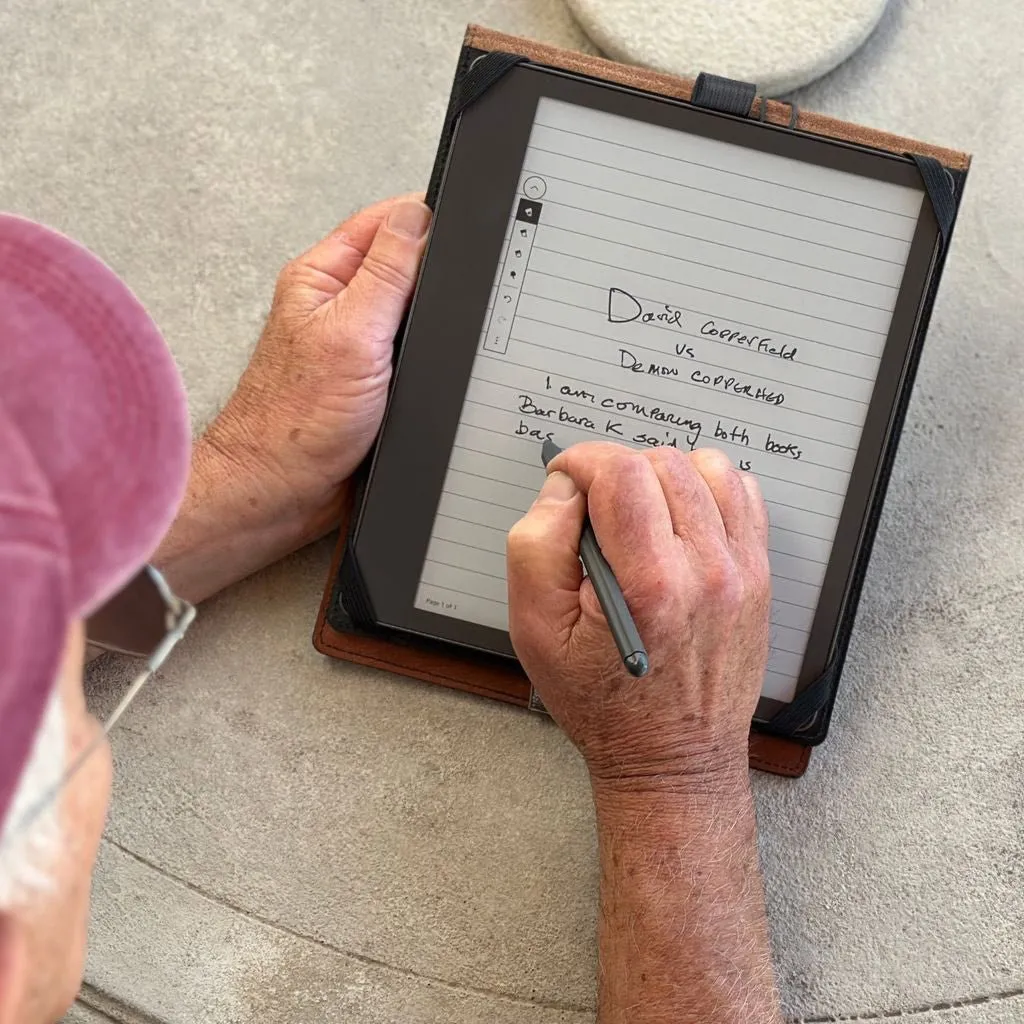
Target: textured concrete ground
296	840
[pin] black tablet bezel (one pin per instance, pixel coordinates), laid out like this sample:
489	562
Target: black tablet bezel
391	530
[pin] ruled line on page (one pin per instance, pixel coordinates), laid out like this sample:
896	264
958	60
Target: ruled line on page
733	295
688	405
750	327
524	462
586	435
762	475
703	362
723	245
737	174
541	289
720	195
701	215
532	494
770	179
711	266
500	549
590	210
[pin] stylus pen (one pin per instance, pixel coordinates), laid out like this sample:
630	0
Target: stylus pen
609	593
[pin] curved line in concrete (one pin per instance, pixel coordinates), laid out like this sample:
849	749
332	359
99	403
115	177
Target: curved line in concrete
944	1006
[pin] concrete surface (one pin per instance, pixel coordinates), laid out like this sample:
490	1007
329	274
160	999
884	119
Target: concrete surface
292	839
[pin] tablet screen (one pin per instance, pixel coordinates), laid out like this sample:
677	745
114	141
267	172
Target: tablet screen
658	287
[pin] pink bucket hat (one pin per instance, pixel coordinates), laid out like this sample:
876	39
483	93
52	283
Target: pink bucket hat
94	451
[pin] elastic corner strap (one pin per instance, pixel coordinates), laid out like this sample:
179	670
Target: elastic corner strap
801	714
352	596
725	95
794	110
938	183
482	74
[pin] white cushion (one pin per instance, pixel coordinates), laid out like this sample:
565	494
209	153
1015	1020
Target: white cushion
779	45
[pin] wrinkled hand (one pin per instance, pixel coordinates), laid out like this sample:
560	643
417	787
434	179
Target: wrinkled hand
686	535
310	403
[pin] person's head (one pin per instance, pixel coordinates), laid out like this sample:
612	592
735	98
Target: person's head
94	446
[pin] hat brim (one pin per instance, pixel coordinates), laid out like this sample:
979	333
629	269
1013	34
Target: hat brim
94	455
89	382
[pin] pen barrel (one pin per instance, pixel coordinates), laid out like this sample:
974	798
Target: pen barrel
609	594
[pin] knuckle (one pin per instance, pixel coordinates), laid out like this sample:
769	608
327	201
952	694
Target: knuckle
762	584
664	456
757	509
672	467
713	462
522	541
762	573
659	587
627	465
519	526
723	581
518	536
616	457
678	475
288	276
752	562
753	486
616	475
387	273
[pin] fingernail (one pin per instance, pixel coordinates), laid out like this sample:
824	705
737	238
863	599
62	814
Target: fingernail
558	487
409	219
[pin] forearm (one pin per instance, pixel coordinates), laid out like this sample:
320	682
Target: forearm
683	933
231	524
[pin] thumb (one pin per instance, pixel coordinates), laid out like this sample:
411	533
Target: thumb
375	300
544	571
321	273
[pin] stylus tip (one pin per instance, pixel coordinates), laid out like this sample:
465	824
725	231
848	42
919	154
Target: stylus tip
636	664
548	451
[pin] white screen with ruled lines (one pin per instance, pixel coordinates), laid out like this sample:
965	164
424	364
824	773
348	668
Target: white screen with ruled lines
661	288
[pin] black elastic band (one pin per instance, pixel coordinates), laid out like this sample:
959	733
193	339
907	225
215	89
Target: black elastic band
723	94
938	183
801	716
482	74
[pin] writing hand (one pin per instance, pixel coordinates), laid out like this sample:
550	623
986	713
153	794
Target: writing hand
266	476
686	535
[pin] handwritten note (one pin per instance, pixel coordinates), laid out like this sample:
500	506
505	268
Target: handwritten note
659	288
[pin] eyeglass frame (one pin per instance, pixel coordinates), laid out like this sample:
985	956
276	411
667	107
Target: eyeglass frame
179	616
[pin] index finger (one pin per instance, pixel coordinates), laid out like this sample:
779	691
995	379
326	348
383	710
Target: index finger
626	503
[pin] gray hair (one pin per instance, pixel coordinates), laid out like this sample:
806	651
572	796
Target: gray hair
27	853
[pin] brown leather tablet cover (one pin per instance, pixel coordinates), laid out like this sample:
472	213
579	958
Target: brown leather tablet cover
498	679
777	112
